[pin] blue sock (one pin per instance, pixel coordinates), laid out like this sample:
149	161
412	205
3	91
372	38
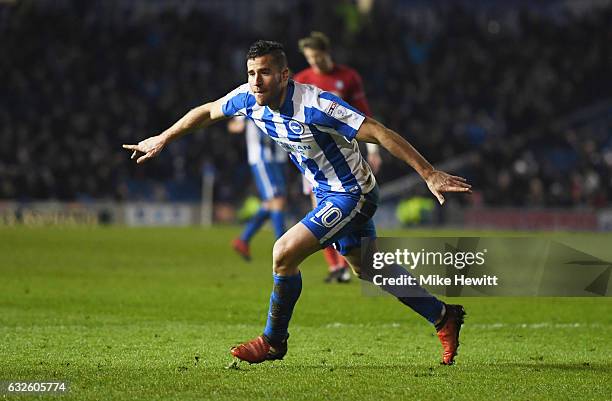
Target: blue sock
254	224
428	307
285	294
278	222
414	296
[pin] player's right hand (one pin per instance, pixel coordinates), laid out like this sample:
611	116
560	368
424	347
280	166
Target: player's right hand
149	148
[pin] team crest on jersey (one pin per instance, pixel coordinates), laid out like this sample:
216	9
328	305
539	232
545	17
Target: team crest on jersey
296	127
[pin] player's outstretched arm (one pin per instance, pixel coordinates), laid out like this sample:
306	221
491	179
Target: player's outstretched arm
372	131
197	117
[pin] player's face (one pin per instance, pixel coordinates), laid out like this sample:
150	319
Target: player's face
267	80
319	60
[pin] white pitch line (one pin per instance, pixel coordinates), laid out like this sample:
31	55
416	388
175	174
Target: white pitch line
485	326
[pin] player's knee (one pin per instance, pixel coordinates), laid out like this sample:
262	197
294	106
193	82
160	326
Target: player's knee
282	256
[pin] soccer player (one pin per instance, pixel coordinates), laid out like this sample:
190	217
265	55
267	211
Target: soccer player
320	131
267	163
345	82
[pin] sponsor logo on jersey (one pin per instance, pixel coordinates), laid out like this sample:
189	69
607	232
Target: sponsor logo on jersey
298	148
339	113
335	110
331	108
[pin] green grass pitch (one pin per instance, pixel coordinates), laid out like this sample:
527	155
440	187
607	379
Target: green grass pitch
148	314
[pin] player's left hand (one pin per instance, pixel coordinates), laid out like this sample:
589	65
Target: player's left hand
150	148
439	181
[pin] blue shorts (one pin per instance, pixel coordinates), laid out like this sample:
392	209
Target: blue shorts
270	179
342	219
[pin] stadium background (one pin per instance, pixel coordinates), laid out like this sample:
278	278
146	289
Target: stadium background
515	95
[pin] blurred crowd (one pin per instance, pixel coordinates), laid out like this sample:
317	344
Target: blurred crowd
511	87
505	89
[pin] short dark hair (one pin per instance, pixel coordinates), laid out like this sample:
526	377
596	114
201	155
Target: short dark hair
265	47
316	40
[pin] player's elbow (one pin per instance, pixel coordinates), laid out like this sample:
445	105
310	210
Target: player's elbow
200	116
371	131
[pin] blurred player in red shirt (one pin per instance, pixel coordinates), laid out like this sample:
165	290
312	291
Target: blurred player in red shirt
346	83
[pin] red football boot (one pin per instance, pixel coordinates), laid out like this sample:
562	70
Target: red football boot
242	248
448	332
259	350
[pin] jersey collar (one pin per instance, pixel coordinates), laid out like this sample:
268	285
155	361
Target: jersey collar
287	107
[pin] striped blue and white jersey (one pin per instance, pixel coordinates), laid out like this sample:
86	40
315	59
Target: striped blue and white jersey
260	147
318	131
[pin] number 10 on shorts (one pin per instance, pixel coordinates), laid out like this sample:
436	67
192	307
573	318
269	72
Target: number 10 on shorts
328	215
